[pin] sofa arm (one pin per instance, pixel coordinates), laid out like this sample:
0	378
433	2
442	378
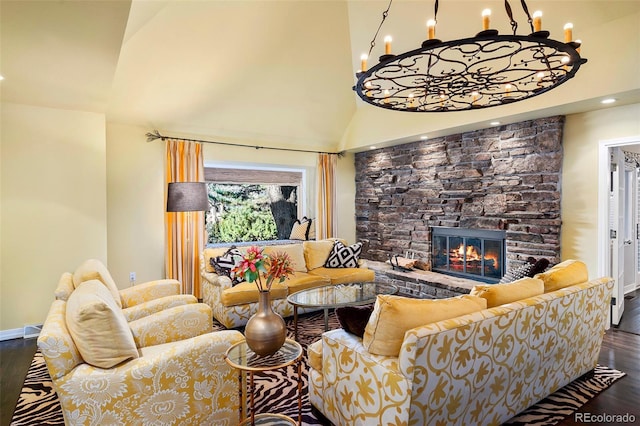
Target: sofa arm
383	394
186	382
173	324
151	307
149	290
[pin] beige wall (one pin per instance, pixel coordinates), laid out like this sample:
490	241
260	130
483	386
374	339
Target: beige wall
582	135
135	205
53	204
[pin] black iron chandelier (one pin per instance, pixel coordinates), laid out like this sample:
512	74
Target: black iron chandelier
471	73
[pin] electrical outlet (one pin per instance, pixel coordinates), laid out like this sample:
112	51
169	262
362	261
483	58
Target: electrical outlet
132	277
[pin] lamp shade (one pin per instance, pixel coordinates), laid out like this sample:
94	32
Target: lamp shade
187	197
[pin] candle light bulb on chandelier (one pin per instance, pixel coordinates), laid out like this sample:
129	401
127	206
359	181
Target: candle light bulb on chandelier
363	62
537	21
486	16
568	32
431	29
387	45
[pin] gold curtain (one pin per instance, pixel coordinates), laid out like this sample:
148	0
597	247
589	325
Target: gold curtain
185	233
326	225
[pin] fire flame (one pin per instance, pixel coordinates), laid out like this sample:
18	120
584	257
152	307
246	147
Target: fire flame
473	255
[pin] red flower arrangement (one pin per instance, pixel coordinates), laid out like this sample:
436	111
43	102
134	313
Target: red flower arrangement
255	265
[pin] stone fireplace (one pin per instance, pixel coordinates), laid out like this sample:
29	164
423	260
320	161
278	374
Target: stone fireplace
505	178
476	254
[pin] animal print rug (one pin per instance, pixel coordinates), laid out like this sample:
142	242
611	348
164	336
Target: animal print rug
38	404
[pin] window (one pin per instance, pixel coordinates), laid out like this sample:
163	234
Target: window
252	205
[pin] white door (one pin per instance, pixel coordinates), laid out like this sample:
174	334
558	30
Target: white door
617	233
630	229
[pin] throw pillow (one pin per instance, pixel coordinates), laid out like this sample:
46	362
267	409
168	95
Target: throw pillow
316	253
93	269
540	266
500	294
393	316
519	272
300	230
224	264
98	326
354	319
564	274
312	230
344	256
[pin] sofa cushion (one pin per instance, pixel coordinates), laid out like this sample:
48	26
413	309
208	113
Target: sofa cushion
65	287
500	294
98	326
354	319
245	292
295	252
316	253
299	281
314	352
394	315
93	269
345	275
564	274
342	256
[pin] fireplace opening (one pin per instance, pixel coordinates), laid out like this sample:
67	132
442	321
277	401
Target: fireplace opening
476	254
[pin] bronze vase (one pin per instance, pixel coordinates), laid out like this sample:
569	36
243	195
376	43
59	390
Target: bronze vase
265	331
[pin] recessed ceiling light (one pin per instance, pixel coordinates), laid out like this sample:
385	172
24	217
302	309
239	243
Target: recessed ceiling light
372	147
494	123
608	101
424	138
1	78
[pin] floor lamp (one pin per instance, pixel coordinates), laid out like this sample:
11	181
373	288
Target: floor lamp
188	197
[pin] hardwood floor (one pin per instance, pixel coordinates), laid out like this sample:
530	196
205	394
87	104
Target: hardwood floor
620	350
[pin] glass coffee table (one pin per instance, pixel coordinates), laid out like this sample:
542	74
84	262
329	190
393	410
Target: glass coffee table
335	296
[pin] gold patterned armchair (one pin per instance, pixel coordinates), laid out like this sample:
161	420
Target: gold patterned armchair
137	301
166	368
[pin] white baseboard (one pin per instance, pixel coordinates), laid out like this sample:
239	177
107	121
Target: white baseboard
29	331
16	333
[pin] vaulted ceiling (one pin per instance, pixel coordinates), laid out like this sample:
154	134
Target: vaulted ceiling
278	73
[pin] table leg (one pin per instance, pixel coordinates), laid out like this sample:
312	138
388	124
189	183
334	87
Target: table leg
326	319
300	393
252	389
295	321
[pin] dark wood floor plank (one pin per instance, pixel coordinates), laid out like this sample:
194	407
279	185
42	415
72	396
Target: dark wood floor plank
15	360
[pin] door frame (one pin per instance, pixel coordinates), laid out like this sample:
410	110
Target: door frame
603	199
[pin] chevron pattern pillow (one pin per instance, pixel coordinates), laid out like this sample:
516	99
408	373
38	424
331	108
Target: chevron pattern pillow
225	263
342	256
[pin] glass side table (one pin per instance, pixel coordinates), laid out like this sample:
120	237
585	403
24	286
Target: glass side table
240	356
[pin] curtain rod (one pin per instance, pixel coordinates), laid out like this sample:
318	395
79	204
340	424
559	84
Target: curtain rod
152	136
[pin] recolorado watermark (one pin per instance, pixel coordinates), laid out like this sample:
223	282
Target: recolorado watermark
604	418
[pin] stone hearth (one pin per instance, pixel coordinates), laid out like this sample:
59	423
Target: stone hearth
421	284
502	178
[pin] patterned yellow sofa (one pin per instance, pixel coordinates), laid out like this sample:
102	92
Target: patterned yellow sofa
166	368
233	305
481	368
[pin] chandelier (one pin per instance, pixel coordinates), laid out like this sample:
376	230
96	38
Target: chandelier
487	70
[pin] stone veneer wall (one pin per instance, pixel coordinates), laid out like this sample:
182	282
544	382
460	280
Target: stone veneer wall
506	177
